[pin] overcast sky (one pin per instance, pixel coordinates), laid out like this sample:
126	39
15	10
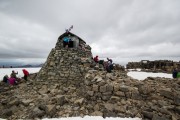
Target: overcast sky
125	30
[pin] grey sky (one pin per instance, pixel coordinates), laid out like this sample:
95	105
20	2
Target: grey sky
125	30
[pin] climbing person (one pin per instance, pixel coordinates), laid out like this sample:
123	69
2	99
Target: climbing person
13	74
5	79
26	74
96	59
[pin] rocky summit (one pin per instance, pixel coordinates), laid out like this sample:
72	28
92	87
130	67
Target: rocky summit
70	83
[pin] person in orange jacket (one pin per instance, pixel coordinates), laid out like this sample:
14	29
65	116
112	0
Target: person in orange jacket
26	74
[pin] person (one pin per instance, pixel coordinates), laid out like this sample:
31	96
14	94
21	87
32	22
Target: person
26	74
13	74
12	81
96	59
66	41
109	61
5	79
109	67
174	74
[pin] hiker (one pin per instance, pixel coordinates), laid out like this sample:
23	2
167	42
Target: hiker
174	74
109	66
96	59
13	74
5	79
12	81
26	74
66	41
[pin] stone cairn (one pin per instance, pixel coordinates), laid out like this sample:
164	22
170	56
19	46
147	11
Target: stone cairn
67	66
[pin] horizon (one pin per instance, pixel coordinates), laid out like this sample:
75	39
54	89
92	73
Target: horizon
8	65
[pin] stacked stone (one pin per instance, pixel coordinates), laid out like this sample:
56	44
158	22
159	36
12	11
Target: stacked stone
66	66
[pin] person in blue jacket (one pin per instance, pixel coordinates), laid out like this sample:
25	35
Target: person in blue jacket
66	41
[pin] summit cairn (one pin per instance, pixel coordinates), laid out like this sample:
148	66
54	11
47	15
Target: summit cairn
67	65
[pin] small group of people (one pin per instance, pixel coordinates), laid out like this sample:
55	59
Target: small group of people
108	65
13	79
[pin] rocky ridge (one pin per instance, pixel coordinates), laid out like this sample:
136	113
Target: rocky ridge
101	94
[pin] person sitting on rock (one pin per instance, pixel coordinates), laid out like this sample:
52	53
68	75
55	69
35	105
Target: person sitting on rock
5	79
12	81
96	59
26	74
13	74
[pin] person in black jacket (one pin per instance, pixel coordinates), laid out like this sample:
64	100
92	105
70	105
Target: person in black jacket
5	79
174	74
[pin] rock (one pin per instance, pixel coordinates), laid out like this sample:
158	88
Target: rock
177	109
120	109
97	113
147	114
95	88
61	100
177	100
90	93
120	94
109	88
167	93
157	117
102	88
6	113
51	110
79	101
14	102
109	107
96	107
144	89
124	88
36	113
26	102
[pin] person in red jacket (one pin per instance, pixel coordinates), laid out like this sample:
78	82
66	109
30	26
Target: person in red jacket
26	74
96	59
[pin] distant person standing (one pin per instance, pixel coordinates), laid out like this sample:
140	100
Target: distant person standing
26	74
174	74
109	67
